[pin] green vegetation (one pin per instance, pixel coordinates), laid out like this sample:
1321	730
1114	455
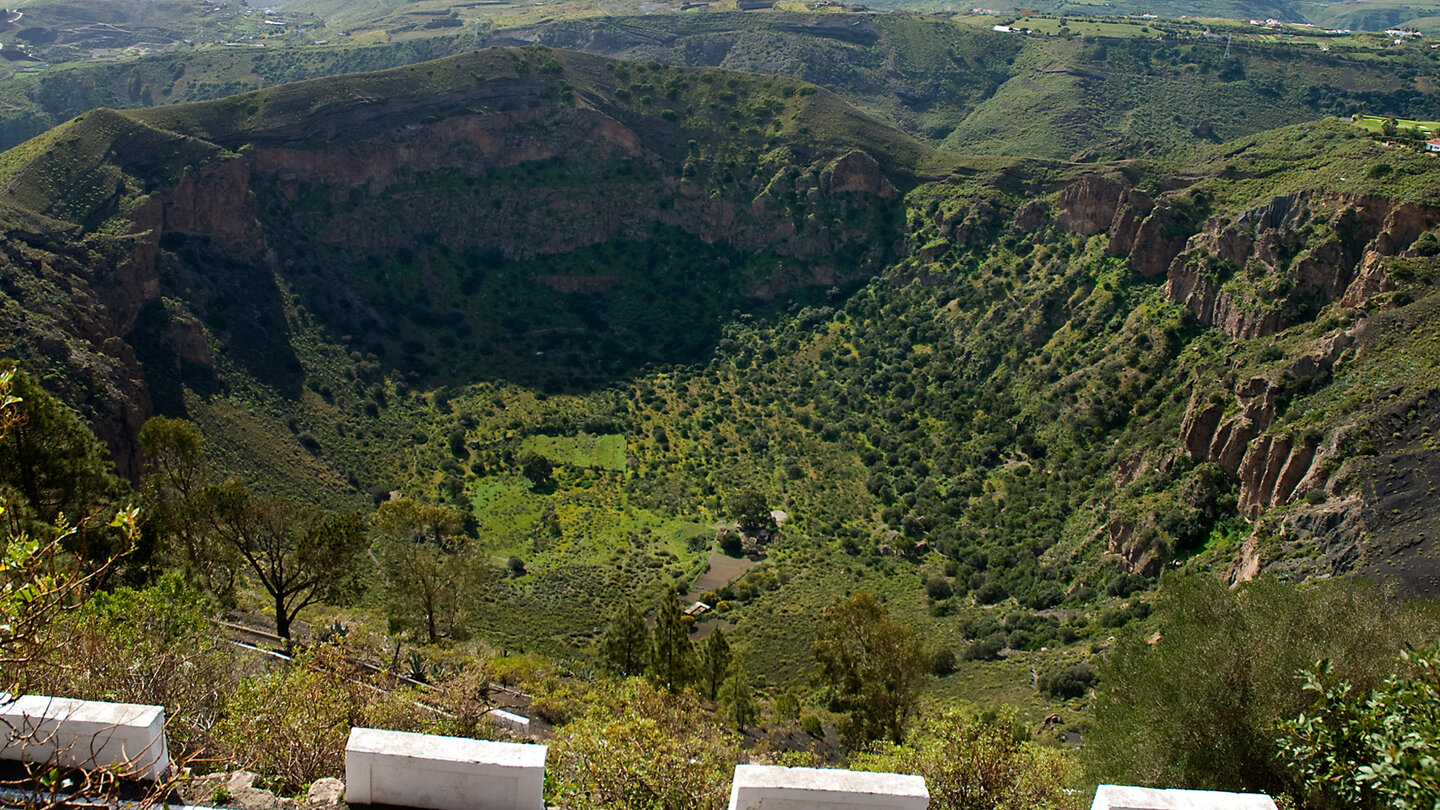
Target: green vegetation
1077	83
618	335
1375	750
872	666
1398	127
971	762
1202	705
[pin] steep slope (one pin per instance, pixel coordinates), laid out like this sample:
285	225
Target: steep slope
938	78
504	214
36	102
999	93
963	382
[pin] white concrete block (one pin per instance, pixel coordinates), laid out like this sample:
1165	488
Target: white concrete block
442	773
510	720
1122	797
769	787
86	734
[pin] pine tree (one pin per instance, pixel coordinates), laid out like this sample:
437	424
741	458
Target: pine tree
714	662
624	644
672	655
736	694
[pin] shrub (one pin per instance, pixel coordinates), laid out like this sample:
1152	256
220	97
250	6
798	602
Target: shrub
641	749
811	724
987	649
291	723
938	588
976	762
1123	615
942	663
1375	750
990	593
1070	682
1199	709
980	626
1045	596
153	647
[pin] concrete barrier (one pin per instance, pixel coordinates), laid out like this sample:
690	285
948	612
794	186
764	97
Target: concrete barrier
1122	797
510	720
768	787
442	773
86	734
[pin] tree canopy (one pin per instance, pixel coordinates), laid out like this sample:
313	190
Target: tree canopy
625	644
428	564
1200	707
871	666
295	553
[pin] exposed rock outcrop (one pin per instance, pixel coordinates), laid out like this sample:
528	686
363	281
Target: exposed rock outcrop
1159	239
856	171
1088	206
1347	263
1269	468
1141	558
1094	204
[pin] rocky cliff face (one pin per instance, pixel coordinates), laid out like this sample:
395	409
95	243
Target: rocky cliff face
1272	470
1310	249
1289	257
335	196
57	296
1254	274
380	195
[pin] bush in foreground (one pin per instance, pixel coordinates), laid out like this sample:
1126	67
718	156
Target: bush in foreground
1199	707
977	763
639	748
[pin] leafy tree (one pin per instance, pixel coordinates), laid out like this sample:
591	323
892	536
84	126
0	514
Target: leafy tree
672	654
714	662
750	511
1199	709
625	642
174	455
938	588
295	553
51	458
37	581
428	564
1070	682
1375	750
942	663
174	486
60	471
732	544
872	667
537	468
976	763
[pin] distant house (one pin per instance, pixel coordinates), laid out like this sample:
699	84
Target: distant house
696	609
1004	29
1432	145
